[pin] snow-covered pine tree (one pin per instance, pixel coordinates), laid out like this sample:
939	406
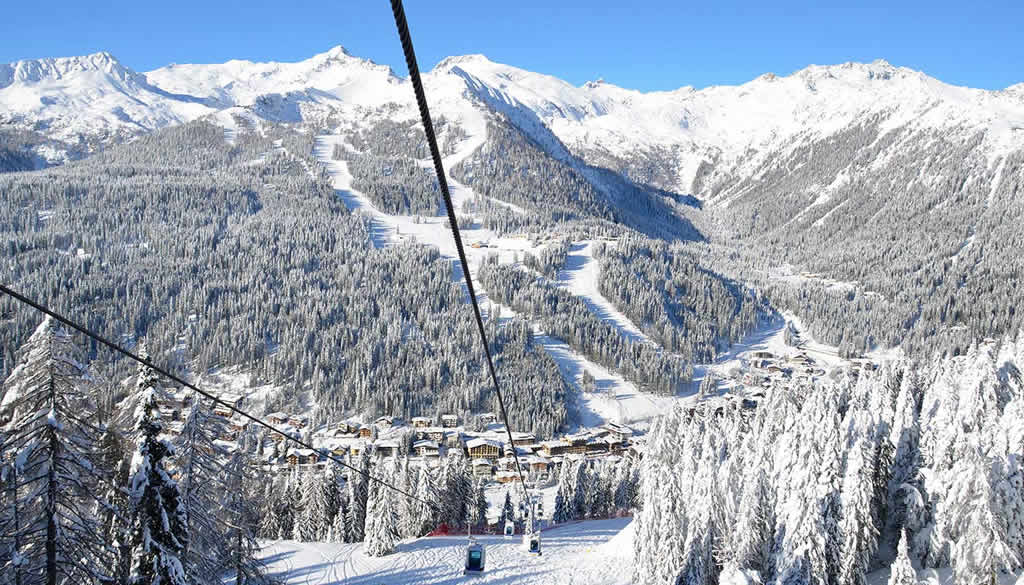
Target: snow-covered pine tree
159	530
459	495
45	414
507	511
358	493
860	537
981	552
708	386
241	520
902	572
313	522
480	506
332	493
201	481
578	505
112	456
408	508
559	514
381	518
426	491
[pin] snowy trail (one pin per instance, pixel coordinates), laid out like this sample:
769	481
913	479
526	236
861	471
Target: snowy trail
617	399
579	276
596	552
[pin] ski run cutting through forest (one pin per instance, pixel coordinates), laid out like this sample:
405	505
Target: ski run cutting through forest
617	400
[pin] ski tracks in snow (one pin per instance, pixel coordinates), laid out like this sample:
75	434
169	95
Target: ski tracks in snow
594	552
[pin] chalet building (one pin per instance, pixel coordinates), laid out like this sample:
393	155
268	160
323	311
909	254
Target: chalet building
520	439
339	450
506	476
365	432
507	464
435	434
553	448
453	440
620	432
421	422
488	418
538	465
449	421
577	444
302	457
597	446
277	418
482	468
483	448
763	355
427	448
286	431
351	428
386	448
230	398
385	422
299	421
356	449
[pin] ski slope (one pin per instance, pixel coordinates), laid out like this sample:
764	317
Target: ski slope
579	276
618	400
594	552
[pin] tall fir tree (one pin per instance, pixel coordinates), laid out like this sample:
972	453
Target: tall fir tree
47	431
159	527
902	572
381	519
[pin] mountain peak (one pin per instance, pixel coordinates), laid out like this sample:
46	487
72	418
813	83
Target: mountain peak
335	52
30	71
449	62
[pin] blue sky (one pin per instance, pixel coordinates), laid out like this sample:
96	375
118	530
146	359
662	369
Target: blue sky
643	45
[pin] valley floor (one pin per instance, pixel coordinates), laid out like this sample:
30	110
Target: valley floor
593	552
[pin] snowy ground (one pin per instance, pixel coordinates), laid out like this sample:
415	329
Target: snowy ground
579	276
595	552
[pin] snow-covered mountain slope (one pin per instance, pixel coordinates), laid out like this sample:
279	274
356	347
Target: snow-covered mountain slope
662	138
734	125
88	101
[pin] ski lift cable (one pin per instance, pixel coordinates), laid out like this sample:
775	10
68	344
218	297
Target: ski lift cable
117	348
421	101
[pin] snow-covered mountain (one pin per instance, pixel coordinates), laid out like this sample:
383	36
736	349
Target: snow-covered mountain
661	138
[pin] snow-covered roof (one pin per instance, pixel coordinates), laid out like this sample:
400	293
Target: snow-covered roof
425	444
480	462
386	444
480	442
301	452
556	443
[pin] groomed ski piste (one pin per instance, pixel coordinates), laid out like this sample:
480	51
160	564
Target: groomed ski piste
591	552
618	399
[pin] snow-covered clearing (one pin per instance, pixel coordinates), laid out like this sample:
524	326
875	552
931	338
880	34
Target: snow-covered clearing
595	552
579	276
616	399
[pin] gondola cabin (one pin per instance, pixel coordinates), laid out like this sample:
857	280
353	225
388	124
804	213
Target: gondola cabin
531	542
476	557
510	528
